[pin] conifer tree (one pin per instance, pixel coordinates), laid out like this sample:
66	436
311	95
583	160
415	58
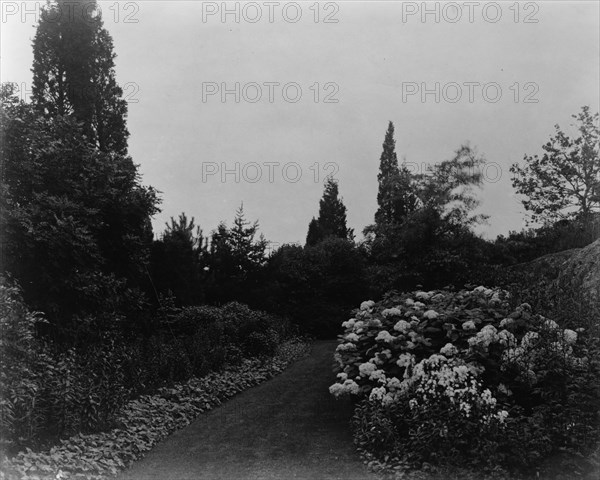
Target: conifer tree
332	216
73	72
395	196
314	234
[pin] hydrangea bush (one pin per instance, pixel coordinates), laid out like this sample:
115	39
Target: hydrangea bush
464	376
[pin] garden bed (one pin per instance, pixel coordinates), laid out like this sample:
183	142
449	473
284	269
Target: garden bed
145	421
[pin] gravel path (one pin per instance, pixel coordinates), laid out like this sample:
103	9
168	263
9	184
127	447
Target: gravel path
286	428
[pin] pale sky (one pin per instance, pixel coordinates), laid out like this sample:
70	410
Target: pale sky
526	66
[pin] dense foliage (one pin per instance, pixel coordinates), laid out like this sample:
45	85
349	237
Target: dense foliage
76	220
464	377
48	392
143	422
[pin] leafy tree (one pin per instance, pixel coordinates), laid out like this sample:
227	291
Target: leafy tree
564	182
449	189
332	216
73	72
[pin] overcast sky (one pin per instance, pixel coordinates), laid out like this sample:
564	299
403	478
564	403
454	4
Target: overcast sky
330	76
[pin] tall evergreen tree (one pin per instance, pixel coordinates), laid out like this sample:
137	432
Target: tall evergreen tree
395	196
73	72
332	216
388	173
235	258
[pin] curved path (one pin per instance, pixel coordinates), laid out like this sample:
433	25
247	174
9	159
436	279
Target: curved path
289	427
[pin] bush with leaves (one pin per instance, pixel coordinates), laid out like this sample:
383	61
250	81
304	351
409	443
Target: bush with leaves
48	392
19	380
462	376
145	421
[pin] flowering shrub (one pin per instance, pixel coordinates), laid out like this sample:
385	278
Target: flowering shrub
463	376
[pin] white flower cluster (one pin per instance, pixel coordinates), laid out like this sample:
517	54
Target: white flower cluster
347	387
424	295
402	326
346	347
385	336
483	338
392	312
449	350
367	306
488	292
469	326
352	337
440	381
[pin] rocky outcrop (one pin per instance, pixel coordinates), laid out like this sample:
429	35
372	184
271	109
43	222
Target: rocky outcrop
549	266
582	272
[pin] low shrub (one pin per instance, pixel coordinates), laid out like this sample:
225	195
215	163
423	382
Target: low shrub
462	377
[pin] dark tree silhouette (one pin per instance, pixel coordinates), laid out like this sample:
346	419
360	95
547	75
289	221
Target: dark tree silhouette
564	183
332	216
73	72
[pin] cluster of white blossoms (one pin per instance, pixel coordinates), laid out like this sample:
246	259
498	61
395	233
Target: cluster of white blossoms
402	326
392	312
385	336
484	337
449	350
347	387
405	360
397	332
469	326
506	322
346	347
530	340
367	306
507	339
352	337
442	381
349	323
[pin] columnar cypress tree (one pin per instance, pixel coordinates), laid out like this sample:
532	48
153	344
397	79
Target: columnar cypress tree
395	197
73	72
387	176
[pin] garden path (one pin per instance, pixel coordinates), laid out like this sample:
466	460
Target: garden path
289	427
